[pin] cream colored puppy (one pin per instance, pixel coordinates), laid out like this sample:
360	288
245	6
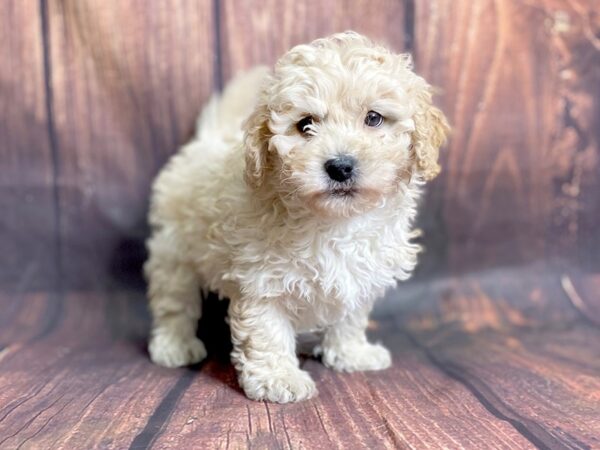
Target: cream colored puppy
295	200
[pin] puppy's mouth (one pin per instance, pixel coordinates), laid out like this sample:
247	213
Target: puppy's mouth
344	191
340	200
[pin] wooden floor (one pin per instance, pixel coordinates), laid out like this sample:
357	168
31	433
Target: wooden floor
503	359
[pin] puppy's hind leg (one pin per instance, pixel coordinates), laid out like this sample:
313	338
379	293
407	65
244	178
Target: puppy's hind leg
175	305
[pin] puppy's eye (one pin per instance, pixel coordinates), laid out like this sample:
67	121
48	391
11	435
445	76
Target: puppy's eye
304	126
373	119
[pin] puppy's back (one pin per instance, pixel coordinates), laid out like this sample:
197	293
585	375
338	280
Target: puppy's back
209	165
224	114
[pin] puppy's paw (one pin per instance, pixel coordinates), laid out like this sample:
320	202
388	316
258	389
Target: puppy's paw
359	357
171	350
282	385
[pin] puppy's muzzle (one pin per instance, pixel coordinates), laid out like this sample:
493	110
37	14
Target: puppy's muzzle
341	168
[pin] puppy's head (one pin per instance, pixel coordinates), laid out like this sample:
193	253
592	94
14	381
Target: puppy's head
341	125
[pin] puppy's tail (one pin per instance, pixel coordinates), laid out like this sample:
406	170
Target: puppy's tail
223	115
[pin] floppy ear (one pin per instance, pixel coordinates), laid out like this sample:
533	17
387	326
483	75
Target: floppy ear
431	130
256	142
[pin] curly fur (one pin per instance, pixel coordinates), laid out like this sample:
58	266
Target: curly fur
247	210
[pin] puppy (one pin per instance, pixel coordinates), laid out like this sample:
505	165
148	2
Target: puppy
295	200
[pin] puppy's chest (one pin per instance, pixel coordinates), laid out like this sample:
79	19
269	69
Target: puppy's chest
341	275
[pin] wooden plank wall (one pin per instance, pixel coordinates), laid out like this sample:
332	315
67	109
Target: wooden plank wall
95	95
520	81
28	233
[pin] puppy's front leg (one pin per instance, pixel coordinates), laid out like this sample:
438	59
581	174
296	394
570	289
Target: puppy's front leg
264	353
345	347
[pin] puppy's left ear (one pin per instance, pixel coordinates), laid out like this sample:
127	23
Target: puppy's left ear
431	131
256	142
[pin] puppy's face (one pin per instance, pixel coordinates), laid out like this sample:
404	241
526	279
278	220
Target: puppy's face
341	126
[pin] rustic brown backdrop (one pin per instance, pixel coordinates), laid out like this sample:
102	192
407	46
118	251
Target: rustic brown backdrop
94	97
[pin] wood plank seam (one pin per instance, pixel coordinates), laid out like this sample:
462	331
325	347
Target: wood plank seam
55	299
53	141
409	26
531	431
218	61
163	411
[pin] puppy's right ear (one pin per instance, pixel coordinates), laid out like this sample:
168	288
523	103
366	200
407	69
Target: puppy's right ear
256	142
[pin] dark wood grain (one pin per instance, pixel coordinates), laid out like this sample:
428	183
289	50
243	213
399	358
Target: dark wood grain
519	81
128	82
517	343
408	406
72	386
28	238
101	93
478	362
79	381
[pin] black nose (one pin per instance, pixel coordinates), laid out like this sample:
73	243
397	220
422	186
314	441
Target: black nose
340	168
